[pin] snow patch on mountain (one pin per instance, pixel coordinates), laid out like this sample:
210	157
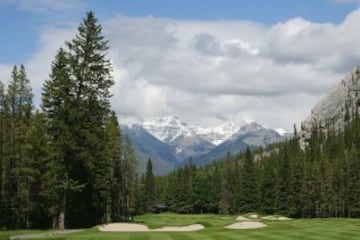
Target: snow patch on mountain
169	128
281	131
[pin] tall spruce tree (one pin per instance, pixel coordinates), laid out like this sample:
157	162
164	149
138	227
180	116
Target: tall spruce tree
108	173
149	186
76	103
57	105
20	100
4	163
129	180
248	188
90	72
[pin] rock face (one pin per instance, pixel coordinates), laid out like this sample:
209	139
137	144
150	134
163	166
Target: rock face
332	109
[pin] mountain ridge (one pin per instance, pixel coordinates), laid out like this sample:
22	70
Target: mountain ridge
170	142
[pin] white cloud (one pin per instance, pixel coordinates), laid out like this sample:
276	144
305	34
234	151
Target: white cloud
45	5
207	72
345	1
5	72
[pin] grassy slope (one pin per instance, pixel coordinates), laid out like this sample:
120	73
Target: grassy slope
307	229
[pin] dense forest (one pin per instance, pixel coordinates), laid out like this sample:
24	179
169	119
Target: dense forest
67	164
321	180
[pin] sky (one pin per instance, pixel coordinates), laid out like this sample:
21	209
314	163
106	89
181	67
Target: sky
207	62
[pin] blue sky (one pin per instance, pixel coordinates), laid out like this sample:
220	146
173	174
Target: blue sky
238	60
21	23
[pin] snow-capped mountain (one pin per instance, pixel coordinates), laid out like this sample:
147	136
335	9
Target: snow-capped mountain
192	141
251	135
171	142
182	137
217	135
168	128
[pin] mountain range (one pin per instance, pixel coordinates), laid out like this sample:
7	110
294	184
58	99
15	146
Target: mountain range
170	142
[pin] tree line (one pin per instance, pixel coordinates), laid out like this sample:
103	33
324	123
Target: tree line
321	180
65	164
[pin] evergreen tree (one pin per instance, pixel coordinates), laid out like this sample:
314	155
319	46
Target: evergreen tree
248	188
37	153
353	191
57	99
90	73
20	100
149	186
267	188
283	191
108	173
4	161
129	181
76	104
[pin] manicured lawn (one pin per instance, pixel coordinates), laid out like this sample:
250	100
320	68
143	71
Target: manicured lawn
304	229
7	234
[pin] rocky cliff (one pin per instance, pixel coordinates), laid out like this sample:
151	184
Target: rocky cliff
335	107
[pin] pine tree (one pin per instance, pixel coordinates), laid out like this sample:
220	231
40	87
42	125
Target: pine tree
354	184
76	104
267	188
37	153
130	179
149	186
283	191
248	188
57	100
20	101
108	173
90	72
4	163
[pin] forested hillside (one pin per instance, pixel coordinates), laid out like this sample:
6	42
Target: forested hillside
322	180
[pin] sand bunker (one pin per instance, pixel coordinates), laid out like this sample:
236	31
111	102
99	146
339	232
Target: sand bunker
275	218
123	227
246	225
189	228
253	216
241	218
134	227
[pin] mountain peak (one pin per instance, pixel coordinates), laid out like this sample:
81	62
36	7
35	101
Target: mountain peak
167	128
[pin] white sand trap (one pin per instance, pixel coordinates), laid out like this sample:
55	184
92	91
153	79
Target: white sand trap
123	227
253	216
241	218
246	225
275	218
189	228
134	227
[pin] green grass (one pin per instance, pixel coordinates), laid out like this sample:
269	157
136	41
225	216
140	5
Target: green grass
170	219
304	229
7	234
